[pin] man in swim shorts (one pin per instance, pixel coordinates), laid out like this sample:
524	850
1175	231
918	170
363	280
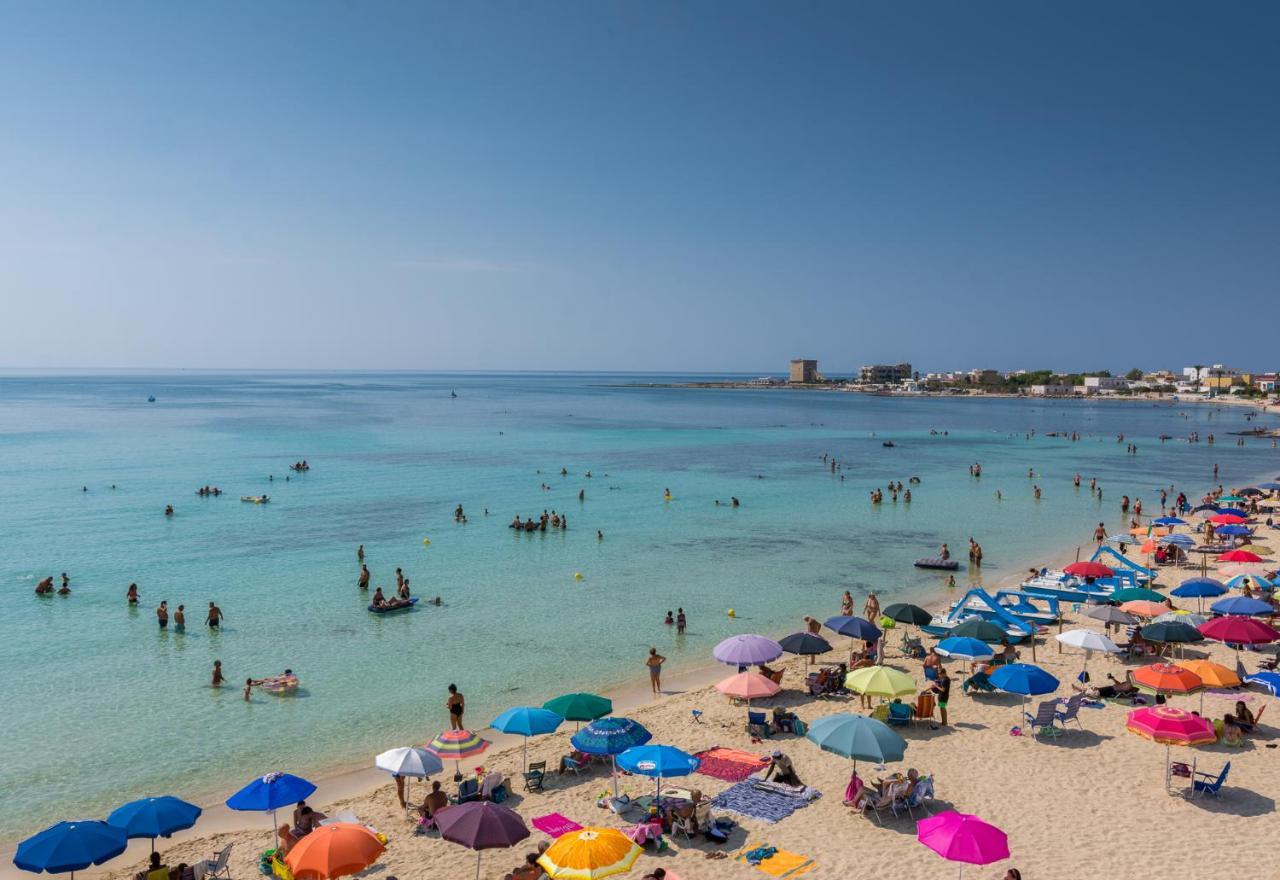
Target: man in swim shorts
214	617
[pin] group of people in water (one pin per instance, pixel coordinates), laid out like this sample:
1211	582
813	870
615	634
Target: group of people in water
550	519
208	491
895	489
403	596
45	586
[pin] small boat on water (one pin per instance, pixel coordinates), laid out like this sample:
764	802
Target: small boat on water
255	499
937	562
151	399
888	444
393	606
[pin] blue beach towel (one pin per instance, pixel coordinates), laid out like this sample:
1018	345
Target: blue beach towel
745	799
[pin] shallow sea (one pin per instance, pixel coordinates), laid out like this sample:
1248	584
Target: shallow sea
97	706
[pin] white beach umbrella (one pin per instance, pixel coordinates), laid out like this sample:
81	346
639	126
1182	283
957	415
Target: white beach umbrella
1088	641
409	762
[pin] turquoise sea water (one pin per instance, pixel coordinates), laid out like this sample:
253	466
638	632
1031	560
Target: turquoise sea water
99	707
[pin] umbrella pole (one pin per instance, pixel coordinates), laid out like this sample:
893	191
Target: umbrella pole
614	761
477	864
275	829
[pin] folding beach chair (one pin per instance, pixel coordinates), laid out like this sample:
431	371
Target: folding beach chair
917	799
1212	784
1042	723
535	776
1071	712
219	865
892	794
899	714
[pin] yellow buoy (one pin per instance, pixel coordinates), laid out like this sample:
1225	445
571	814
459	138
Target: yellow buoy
577	575
732	613
426	542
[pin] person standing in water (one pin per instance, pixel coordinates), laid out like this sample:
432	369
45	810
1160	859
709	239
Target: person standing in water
132	595
363	581
162	615
180	619
680	621
654	662
456	704
360	553
217	674
214	617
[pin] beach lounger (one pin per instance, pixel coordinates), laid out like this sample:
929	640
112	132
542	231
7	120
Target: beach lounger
1042	723
1212	784
1072	711
220	865
924	707
922	794
899	714
979	682
894	793
535	776
758	725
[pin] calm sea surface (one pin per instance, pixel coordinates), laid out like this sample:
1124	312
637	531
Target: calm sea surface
98	706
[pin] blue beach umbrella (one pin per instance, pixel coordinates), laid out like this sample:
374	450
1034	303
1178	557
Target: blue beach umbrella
1268	680
1233	529
964	648
1261	583
1024	679
1168	521
1199	588
154	817
859	737
70	846
266	794
1241	605
610	736
854	628
1270	487
527	721
1184	541
658	762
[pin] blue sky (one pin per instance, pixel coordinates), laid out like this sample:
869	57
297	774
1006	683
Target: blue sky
673	186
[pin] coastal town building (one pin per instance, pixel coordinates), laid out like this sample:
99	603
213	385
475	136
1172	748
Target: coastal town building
1102	385
884	374
1265	382
1057	389
804	371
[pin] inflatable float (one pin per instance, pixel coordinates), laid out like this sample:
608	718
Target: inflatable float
255	499
937	562
398	605
280	685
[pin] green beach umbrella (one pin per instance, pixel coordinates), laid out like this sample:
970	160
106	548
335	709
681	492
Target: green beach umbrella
1136	594
977	628
579	707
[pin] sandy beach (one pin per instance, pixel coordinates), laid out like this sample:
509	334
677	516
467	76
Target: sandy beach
1087	803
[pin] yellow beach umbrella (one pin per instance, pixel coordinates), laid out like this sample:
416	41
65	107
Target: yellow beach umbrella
880	681
589	853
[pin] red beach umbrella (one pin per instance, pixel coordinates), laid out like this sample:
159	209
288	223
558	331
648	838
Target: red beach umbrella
1237	629
1089	570
1227	519
1239	556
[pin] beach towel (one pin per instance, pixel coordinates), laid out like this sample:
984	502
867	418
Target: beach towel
775	862
769	805
554	824
731	765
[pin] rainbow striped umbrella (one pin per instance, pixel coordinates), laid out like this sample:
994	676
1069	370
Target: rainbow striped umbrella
455	745
589	854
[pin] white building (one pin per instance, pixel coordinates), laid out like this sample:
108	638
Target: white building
1055	390
1103	384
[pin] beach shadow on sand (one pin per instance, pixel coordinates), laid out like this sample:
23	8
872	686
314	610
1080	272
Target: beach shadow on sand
1235	802
1076	739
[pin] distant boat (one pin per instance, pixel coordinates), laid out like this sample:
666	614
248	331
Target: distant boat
453	394
151	399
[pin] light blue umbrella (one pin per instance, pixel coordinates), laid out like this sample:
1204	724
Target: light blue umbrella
154	817
1184	541
527	721
657	762
964	648
1168	521
70	846
1259	582
859	737
1241	605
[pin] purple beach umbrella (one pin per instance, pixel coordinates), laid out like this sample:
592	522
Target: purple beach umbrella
481	825
747	650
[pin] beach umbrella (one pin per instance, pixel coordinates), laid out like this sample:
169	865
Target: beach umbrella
859	737
964	648
658	762
579	706
1257	581
805	643
1169	521
854	628
1230	499
1088	569
1111	614
1251	491
610	736
154	817
337	849
1186	542
977	628
748	686
905	612
1268	680
1191	618
1172	727
409	762
268	793
1270	487
454	745
1023	679
1199	587
1239	630
1242	605
880	681
1228	519
1214	675
1239	556
960	837
589	853
1171	631
1135	594
527	721
1143	608
70	846
1122	538
1168	679
481	825
747	650
1088	641
1233	529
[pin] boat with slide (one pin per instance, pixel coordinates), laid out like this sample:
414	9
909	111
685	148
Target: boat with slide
1037	610
980	603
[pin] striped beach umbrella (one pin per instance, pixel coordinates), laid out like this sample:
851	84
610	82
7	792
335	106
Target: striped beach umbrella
610	736
454	745
588	854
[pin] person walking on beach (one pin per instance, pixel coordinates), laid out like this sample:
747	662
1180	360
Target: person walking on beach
846	604
363	581
456	704
942	687
162	615
217	674
214	617
654	662
871	608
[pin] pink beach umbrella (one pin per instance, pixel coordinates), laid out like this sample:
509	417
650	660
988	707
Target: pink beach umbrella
960	837
748	686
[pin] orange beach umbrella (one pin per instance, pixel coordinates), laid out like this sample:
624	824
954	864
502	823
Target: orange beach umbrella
335	850
1144	608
